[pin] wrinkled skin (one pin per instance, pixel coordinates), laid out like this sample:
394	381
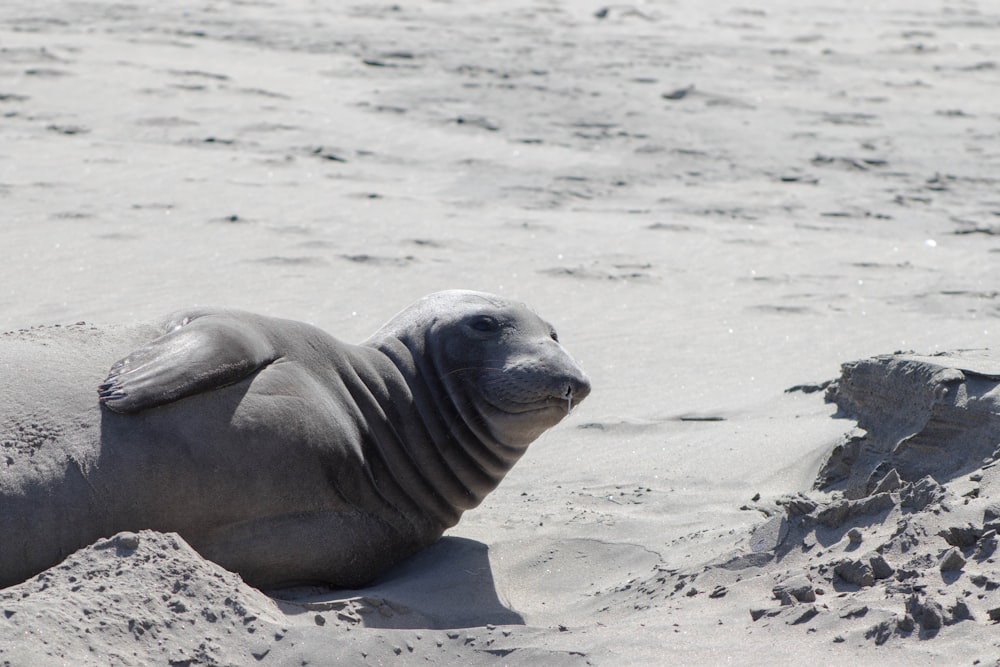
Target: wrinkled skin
274	449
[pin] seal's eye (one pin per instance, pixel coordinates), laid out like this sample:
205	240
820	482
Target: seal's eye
554	335
485	324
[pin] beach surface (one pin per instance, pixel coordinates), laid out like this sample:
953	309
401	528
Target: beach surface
717	205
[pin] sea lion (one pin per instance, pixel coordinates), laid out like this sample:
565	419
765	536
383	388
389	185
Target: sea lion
274	449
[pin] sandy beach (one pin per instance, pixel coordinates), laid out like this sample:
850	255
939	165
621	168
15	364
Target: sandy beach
735	214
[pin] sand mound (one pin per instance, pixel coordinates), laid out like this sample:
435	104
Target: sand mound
138	598
898	538
922	416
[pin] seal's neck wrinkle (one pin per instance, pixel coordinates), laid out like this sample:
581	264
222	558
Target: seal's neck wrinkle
471	427
466	448
455	457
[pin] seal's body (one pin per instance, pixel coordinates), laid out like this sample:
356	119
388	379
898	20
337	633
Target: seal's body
274	449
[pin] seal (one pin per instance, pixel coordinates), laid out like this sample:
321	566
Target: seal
271	447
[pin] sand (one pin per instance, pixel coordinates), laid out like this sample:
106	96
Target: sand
714	203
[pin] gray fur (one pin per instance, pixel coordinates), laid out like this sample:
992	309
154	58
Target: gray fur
274	449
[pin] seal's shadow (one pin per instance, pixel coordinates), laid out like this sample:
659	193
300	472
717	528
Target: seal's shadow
447	585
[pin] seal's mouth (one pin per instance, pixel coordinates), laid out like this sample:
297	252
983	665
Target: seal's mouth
541	406
518	424
545	402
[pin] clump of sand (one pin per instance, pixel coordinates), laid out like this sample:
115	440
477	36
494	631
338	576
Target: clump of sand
148	598
898	537
137	598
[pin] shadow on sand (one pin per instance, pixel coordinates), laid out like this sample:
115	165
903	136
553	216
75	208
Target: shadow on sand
448	585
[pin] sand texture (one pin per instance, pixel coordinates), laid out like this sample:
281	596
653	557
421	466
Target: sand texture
768	231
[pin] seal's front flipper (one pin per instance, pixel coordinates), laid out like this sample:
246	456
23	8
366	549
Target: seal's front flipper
199	352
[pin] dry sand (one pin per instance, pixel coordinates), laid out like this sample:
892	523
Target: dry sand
714	202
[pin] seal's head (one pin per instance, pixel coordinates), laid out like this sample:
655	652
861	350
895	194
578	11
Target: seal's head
500	364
